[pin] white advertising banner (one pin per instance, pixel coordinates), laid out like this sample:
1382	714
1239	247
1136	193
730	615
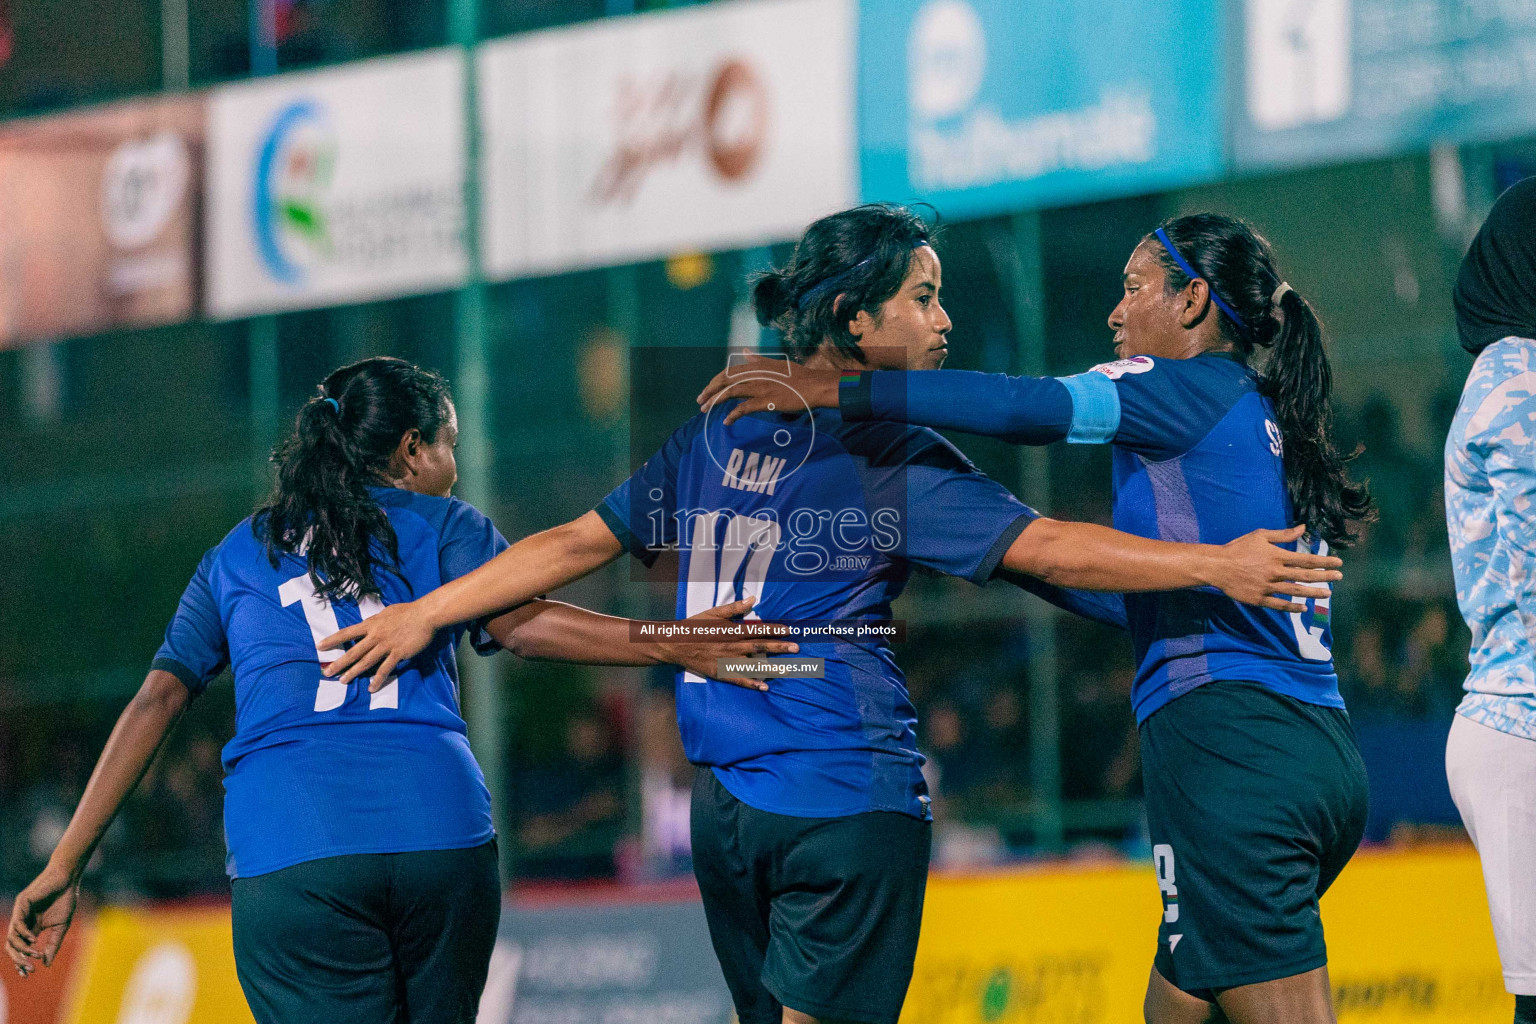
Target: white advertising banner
715	127
337	186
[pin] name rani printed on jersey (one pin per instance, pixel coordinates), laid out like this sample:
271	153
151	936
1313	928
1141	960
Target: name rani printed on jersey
752	471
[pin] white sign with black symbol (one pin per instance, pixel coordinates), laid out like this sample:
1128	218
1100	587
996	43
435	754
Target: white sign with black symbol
630	139
1299	66
143	187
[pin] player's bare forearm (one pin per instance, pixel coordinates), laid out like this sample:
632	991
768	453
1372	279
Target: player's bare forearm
1084	556
534	565
554	631
527	569
1253	569
42	912
138	735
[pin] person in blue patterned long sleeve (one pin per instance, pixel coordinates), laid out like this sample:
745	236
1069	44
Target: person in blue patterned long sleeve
1490	511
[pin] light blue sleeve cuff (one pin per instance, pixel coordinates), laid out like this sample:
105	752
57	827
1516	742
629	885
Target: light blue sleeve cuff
1095	408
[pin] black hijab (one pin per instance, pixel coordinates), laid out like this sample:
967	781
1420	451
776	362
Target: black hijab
1495	294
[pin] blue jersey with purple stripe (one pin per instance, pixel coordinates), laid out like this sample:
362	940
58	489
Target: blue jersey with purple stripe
822	521
317	768
1198	458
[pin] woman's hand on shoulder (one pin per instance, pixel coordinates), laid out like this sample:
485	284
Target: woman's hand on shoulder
767	384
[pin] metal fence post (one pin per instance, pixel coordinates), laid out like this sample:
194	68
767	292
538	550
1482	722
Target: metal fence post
483	705
261	339
1027	299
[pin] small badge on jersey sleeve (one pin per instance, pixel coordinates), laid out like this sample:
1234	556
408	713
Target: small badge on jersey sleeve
1116	370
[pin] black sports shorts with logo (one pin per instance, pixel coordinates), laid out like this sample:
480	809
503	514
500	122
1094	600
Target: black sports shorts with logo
1255	802
817	914
369	938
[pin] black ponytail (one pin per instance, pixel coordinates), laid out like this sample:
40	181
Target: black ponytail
1238	264
846	262
341	446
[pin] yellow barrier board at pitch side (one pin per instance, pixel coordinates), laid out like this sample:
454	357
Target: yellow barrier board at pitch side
1409	940
160	967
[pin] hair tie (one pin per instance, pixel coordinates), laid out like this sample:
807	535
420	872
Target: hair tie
1190	273
1274	300
333	404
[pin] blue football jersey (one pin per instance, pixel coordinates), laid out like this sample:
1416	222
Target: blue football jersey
822	521
1198	458
317	768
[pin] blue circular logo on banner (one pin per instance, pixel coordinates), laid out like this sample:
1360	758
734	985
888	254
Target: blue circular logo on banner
293	172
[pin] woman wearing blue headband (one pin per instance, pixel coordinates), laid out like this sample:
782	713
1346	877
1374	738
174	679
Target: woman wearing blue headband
1255	791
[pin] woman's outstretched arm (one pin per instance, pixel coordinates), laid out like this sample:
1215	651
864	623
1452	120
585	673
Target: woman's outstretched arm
555	631
528	569
1024	410
43	910
1099	606
1253	569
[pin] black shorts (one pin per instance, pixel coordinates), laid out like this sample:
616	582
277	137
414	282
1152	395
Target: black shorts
369	938
817	914
1255	802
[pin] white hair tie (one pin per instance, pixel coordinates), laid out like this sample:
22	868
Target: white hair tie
1274	300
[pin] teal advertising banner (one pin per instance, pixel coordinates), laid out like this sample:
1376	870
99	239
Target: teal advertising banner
1328	80
987	106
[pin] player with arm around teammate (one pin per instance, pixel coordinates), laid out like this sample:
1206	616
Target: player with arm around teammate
1238	707
811	826
361	852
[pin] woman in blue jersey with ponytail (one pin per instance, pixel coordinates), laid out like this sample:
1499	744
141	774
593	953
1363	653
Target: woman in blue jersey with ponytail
1255	792
361	853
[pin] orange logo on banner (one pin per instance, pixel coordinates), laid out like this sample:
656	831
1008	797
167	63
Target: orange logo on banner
169	967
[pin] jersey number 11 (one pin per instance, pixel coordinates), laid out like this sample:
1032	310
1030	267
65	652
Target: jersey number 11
322	623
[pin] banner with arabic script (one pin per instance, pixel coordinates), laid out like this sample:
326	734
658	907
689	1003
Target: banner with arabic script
619	141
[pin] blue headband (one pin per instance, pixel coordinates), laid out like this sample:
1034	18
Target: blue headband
1189	272
333	404
835	280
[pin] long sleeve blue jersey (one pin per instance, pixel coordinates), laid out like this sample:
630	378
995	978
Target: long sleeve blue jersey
1198	458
